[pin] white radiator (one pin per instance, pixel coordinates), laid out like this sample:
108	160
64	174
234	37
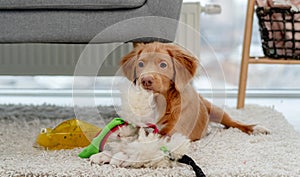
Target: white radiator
61	59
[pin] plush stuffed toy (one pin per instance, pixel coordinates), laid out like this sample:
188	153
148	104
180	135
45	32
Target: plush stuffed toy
137	105
138	143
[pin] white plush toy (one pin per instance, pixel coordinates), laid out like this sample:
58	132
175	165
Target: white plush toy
137	106
136	146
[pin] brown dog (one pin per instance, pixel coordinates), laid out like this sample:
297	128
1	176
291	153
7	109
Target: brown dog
167	69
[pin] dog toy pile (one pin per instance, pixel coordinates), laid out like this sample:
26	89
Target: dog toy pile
138	146
168	158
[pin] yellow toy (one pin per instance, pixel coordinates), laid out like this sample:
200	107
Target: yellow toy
67	135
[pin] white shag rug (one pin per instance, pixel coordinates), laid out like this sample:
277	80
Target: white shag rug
225	152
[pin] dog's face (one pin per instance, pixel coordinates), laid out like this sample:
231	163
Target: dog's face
159	67
154	70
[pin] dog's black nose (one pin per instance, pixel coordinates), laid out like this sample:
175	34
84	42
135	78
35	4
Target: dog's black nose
147	81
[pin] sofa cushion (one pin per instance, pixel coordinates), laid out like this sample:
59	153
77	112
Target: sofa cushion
71	4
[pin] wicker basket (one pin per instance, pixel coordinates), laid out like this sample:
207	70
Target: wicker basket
280	32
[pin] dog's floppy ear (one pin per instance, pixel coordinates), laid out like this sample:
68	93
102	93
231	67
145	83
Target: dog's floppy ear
128	62
185	65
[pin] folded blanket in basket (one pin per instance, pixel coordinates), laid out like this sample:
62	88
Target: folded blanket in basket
283	27
294	4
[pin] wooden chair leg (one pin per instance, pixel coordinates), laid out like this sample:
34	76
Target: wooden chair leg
245	55
242	84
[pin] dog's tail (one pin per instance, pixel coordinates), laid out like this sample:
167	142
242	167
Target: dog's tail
216	114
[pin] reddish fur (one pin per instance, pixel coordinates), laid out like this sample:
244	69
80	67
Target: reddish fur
185	111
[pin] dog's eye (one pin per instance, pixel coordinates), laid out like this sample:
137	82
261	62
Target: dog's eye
141	64
163	65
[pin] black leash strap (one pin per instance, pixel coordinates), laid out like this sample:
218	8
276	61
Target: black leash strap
189	161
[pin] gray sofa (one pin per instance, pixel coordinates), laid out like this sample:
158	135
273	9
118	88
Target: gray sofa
78	21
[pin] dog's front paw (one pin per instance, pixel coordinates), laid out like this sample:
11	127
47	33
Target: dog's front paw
260	130
101	158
